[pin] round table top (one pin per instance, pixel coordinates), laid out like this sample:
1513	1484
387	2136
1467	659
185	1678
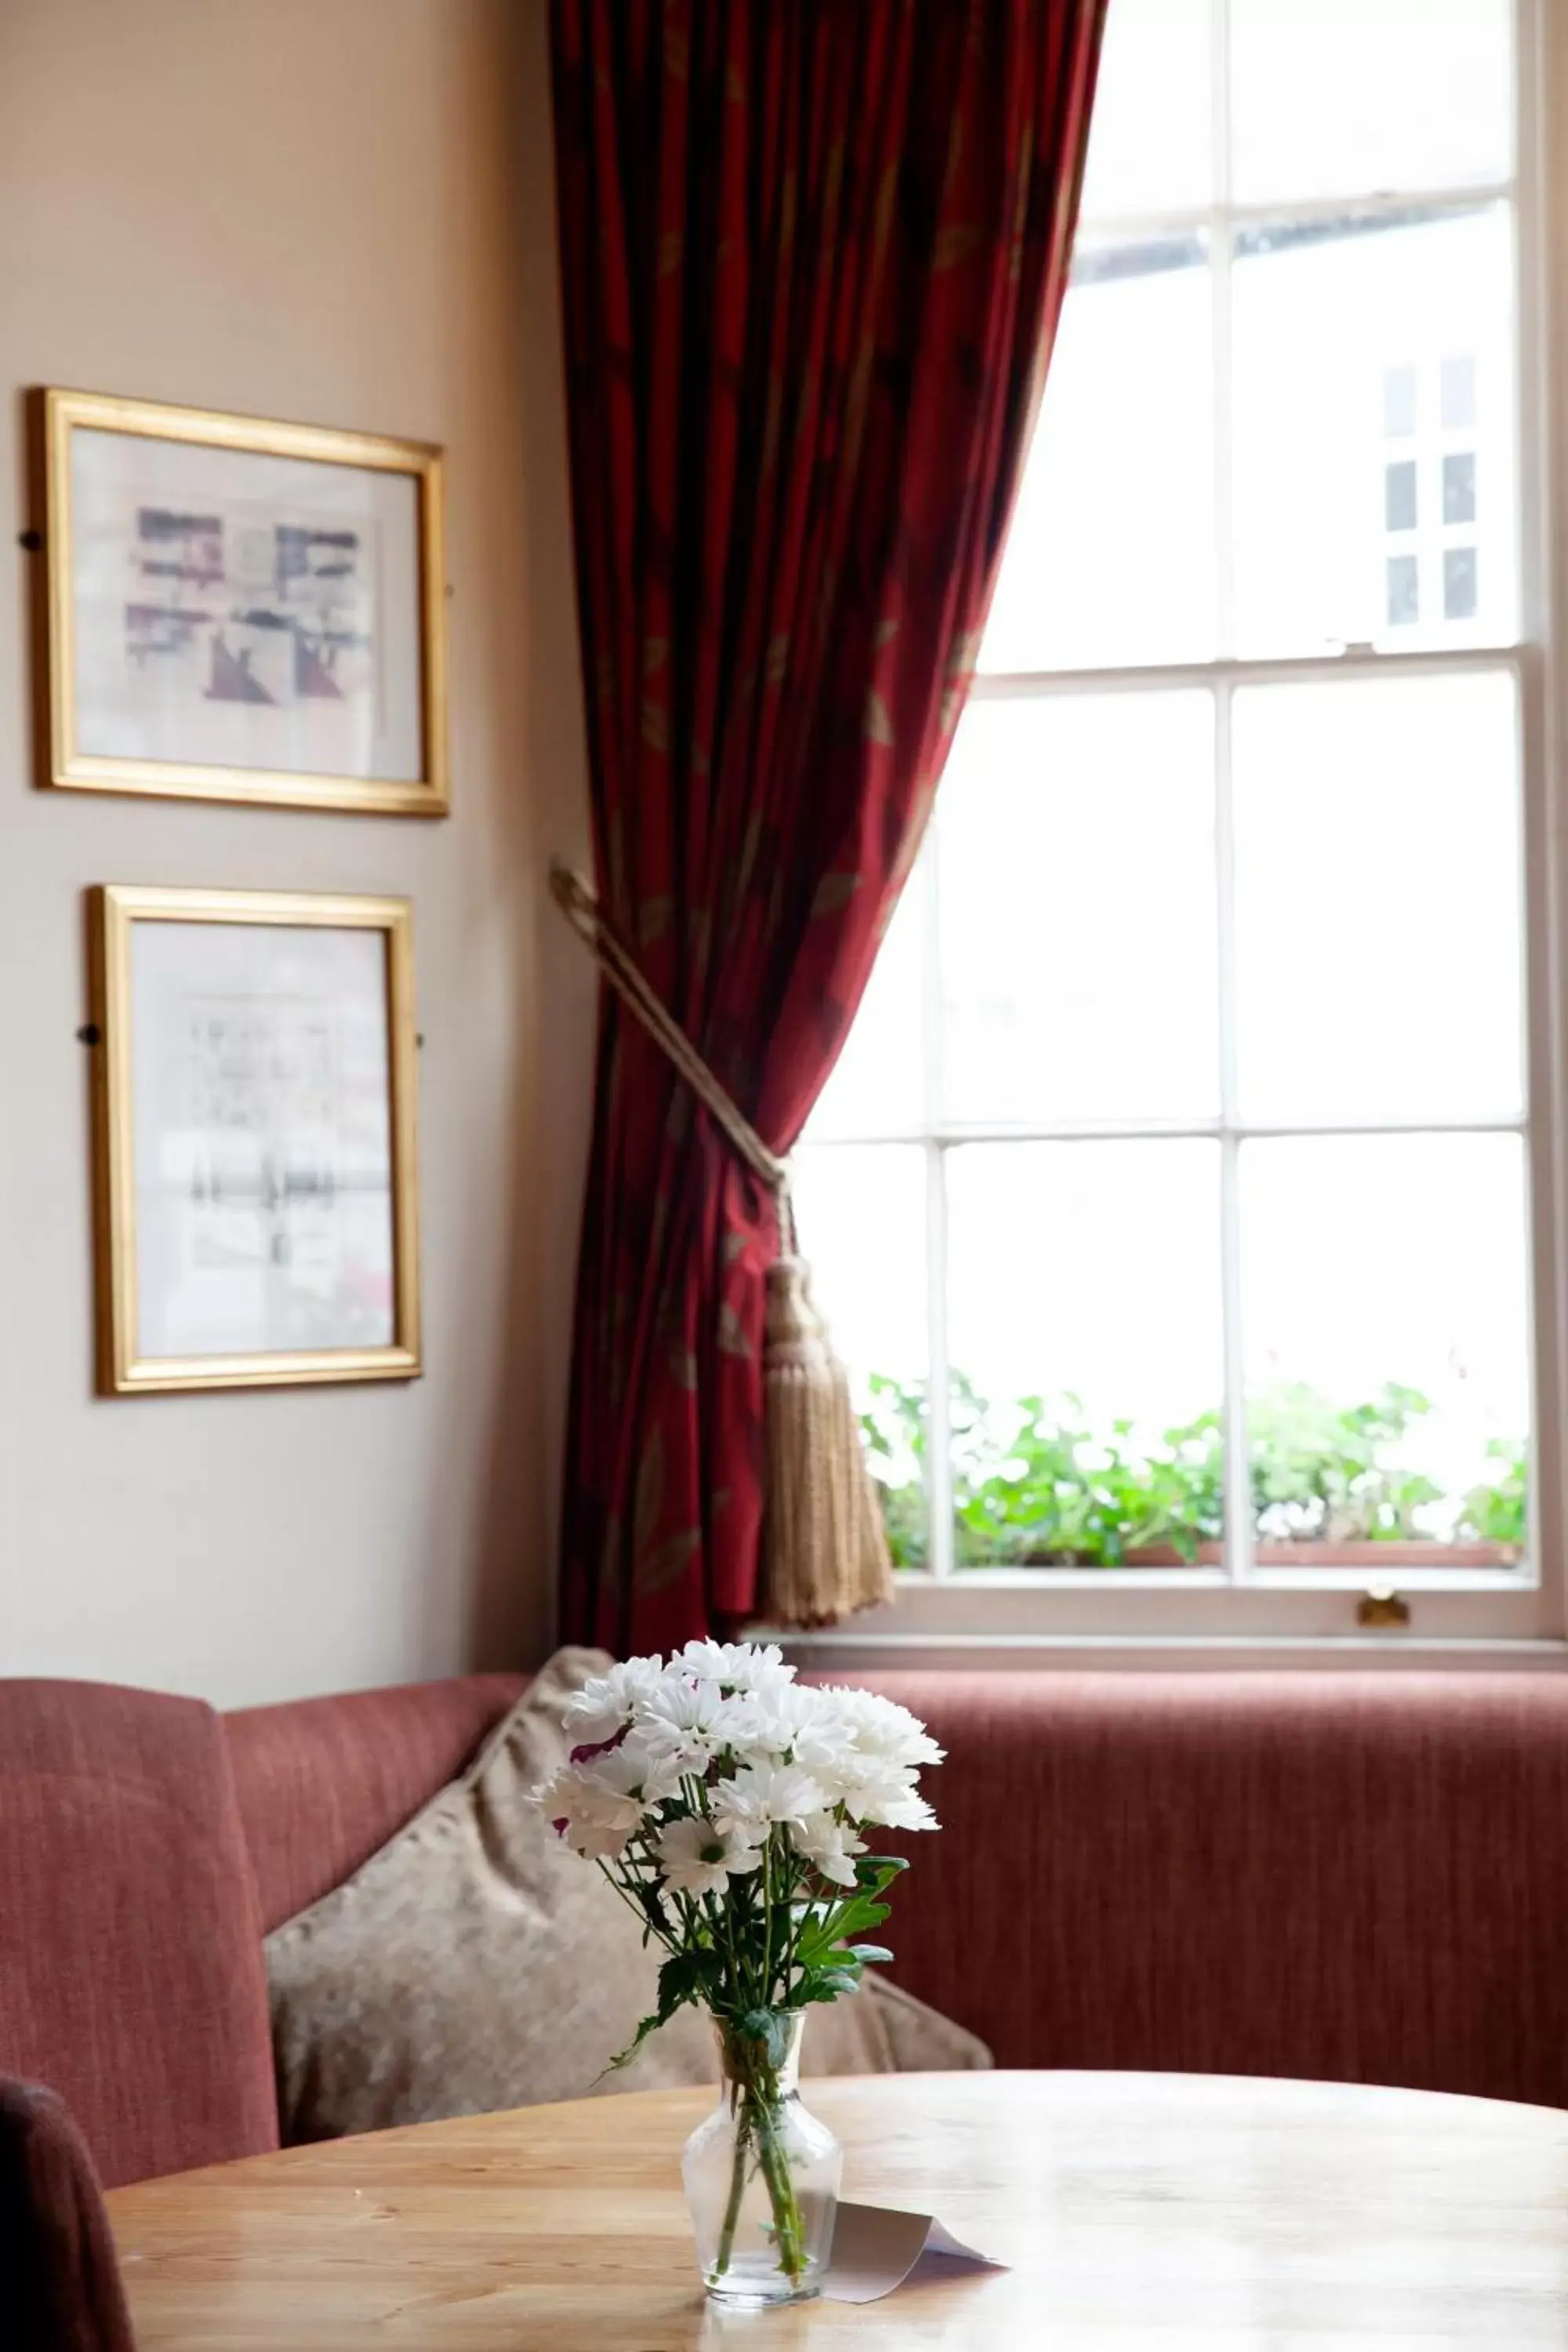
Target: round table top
1168	2211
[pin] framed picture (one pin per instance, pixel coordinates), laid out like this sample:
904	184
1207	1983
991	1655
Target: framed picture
256	1203
238	611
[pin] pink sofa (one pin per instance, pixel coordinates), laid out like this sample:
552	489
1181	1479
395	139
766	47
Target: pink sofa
1351	1876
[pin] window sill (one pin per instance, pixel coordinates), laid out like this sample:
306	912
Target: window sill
1190	1616
1336	1576
847	1652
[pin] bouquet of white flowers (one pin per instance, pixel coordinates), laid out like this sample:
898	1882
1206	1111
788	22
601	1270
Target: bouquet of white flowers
725	1802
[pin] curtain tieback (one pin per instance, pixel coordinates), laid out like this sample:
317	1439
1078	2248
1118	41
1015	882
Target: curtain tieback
825	1550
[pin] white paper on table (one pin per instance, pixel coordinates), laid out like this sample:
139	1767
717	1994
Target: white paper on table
876	2248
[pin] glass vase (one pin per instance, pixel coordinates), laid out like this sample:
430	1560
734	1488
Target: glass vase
762	2175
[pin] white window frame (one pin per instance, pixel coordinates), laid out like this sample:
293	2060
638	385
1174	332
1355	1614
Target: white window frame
1243	1612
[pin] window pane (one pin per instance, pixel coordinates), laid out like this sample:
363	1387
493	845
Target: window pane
1357	97
1460	488
1150	148
1399	505
1386	1342
1377	900
877	1086
1398	402
1456	396
1110	558
1460	588
1075	878
1329	458
1084	1306
1404	591
862	1212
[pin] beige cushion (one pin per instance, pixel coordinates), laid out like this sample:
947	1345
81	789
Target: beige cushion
475	1963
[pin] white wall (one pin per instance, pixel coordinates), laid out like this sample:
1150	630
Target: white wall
340	211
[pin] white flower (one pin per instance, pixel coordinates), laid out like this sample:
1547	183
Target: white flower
697	1857
555	1796
608	1702
692	1773
886	1794
684	1721
797	1722
906	1812
638	1774
882	1728
600	1803
735	1665
760	1796
829	1844
584	1818
596	1840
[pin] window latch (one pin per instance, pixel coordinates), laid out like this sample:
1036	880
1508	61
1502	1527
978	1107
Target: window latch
1380	1606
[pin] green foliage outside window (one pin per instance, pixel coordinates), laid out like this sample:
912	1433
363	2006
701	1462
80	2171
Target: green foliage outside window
1036	1486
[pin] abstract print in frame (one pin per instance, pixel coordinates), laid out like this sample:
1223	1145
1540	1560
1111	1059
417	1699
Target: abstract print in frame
239	610
256	1184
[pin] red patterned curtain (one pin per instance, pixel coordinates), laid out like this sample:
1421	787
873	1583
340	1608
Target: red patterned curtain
812	257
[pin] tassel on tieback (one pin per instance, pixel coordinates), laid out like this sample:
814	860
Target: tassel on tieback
825	1551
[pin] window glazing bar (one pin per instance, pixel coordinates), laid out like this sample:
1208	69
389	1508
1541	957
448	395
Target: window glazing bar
1132	228
1290	669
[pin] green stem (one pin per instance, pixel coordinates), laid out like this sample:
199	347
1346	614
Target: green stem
721	1934
732	2210
782	2197
758	2116
757	2106
767	1986
671	1943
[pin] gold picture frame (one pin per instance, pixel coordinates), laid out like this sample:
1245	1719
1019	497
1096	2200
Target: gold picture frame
221	1039
144	625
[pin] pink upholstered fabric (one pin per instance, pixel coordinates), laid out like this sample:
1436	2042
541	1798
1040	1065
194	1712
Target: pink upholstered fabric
1338	1875
130	1973
1346	1876
323	1782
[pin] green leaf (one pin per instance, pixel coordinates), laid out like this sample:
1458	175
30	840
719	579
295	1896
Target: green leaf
653	1910
683	1979
861	1911
832	1983
770	2028
623	2057
1039	1481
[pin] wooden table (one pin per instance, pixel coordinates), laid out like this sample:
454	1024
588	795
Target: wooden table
1166	2212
